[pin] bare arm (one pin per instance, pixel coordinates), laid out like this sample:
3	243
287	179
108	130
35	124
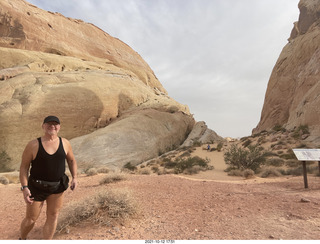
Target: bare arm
72	164
27	157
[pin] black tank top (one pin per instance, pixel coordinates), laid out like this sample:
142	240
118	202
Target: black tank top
48	167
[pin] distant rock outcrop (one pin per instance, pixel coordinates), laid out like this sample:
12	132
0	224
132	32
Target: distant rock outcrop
292	98
53	65
201	133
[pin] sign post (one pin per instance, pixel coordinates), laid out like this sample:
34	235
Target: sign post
305	178
307	155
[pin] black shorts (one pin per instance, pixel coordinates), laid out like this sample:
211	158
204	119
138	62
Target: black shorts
40	194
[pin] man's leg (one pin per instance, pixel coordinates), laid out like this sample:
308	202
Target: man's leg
32	214
54	204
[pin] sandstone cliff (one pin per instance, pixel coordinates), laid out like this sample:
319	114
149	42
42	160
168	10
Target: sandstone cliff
292	97
95	83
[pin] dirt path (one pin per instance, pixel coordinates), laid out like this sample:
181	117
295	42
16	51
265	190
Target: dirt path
175	208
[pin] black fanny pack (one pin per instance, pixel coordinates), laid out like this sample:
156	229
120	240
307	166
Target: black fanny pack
48	186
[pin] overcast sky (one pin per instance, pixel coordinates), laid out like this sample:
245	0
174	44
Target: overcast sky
216	56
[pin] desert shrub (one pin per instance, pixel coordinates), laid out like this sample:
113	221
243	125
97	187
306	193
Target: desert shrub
91	172
275	162
105	207
301	130
299	170
4	180
192	170
289	155
164	171
293	171
250	158
248	173
185	154
111	178
293	163
196	143
5	161
270	172
168	163
278	128
235	172
246	143
130	167
155	168
103	170
144	171
219	146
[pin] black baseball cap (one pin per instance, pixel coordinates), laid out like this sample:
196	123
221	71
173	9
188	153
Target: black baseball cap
51	118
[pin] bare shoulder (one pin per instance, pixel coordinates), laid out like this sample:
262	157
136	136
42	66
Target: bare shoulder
65	141
31	150
66	145
33	144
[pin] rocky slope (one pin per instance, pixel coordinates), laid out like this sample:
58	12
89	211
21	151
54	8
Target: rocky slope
292	97
95	83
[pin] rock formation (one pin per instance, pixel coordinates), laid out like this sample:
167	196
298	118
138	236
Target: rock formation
102	91
201	133
135	137
292	97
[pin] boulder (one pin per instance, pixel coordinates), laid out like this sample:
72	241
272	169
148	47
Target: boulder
134	138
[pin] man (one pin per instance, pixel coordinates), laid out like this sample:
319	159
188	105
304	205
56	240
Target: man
47	181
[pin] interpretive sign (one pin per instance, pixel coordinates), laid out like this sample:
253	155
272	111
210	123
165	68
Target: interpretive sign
307	154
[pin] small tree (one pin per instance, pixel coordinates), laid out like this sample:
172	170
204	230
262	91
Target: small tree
251	158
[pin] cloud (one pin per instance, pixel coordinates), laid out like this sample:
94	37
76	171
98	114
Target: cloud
216	56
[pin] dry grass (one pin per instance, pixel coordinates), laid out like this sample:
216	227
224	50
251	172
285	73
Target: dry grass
113	177
91	172
105	207
270	172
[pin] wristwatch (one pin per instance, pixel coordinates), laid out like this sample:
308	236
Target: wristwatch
22	187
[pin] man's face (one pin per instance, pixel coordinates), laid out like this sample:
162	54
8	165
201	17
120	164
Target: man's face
51	128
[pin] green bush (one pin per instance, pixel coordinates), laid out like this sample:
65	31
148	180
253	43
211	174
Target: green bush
181	164
250	158
219	146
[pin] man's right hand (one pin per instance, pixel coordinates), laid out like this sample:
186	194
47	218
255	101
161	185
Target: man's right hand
27	196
